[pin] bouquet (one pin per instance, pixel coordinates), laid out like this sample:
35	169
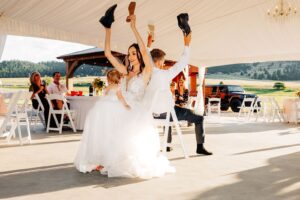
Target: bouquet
98	85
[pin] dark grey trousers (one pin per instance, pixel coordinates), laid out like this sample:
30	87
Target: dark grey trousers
191	117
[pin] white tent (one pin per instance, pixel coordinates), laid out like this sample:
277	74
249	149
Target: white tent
224	31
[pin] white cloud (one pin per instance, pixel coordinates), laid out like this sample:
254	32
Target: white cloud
37	49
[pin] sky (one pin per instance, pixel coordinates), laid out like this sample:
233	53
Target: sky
37	49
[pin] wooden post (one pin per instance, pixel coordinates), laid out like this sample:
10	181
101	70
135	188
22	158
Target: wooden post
203	86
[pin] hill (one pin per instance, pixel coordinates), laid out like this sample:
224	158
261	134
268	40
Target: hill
281	70
17	68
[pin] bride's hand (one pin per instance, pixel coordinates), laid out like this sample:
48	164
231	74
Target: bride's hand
132	20
127	107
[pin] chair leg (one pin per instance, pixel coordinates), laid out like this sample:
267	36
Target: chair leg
48	124
61	123
165	137
72	123
179	133
19	132
28	130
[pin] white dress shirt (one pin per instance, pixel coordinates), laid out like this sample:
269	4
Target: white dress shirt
57	89
158	89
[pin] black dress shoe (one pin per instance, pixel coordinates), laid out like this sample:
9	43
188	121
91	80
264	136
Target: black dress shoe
183	19
168	149
202	150
108	18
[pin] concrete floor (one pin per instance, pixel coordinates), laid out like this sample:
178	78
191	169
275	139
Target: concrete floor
252	160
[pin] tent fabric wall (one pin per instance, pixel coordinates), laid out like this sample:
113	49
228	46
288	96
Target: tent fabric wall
2	44
224	32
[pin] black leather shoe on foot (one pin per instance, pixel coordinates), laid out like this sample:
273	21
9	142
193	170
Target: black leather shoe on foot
108	18
168	149
202	150
183	19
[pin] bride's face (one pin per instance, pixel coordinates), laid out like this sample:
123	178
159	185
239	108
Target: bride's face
132	57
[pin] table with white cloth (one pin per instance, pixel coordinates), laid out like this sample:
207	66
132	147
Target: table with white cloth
81	105
290	109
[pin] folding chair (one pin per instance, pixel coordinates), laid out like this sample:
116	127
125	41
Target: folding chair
37	113
262	109
214	104
64	111
21	114
276	110
8	122
246	107
167	123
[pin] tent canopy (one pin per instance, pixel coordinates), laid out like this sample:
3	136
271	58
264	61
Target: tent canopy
224	32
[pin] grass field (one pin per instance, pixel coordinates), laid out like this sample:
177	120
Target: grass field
261	88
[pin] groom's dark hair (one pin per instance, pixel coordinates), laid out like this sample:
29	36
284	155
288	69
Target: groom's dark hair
157	54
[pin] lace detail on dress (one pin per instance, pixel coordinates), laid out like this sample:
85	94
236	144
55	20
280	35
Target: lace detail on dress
135	88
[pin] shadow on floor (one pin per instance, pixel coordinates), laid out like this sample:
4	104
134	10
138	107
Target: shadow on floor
251	127
53	178
278	180
267	149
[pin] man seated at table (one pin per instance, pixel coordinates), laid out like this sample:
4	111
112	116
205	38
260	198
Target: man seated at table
57	88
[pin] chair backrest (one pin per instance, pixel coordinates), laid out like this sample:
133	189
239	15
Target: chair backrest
249	101
214	100
40	104
10	109
274	103
23	101
59	97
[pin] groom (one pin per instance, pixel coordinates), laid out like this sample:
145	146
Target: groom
160	80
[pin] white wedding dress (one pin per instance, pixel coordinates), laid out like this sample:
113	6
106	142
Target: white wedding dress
123	141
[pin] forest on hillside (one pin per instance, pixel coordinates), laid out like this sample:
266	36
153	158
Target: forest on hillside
16	69
283	71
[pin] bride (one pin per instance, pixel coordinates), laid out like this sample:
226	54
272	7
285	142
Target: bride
122	140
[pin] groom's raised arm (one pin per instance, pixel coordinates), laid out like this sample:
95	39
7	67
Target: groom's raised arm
183	61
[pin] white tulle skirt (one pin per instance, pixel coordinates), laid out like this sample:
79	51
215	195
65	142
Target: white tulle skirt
123	141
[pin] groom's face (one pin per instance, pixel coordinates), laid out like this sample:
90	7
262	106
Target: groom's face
160	63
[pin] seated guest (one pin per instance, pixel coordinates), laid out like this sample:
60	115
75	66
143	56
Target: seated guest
39	88
181	94
57	88
173	88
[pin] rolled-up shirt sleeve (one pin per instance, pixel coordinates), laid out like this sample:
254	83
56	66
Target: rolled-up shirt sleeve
181	64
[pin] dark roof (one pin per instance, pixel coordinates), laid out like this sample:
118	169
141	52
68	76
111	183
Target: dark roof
84	52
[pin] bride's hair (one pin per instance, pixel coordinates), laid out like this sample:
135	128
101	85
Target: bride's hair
139	57
113	76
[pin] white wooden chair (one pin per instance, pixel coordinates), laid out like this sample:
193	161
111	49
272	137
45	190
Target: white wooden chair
9	125
20	114
37	114
214	104
262	110
276	111
64	111
167	123
246	107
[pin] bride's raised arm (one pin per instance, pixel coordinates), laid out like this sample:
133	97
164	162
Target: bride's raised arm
148	66
115	62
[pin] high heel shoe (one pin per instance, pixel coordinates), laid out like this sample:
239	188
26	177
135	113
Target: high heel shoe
108	18
183	19
131	9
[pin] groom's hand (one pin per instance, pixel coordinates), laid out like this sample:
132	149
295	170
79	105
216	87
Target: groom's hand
187	39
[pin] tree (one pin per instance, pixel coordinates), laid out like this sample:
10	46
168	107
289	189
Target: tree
279	86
